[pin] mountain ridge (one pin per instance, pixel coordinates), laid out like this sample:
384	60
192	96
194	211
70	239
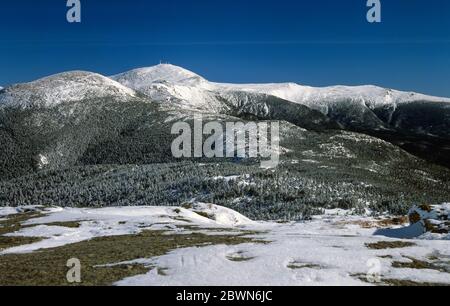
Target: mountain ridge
82	139
368	109
417	123
287	91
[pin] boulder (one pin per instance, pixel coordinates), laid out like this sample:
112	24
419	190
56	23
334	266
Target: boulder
432	218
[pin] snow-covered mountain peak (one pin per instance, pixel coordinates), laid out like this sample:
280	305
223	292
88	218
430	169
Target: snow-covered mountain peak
63	87
169	83
169	80
164	73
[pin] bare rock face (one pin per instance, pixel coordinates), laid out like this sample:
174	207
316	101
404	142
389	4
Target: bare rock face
433	218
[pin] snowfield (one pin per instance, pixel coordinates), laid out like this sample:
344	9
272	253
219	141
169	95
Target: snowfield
333	249
193	89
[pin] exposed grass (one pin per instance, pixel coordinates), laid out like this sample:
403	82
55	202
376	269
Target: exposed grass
298	265
408	283
12	224
414	263
48	267
161	271
239	257
10	242
380	223
181	219
69	224
383	245
204	215
187	206
421	265
386	257
398	282
241	232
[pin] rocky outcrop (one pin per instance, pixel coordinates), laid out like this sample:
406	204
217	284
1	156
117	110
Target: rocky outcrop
432	218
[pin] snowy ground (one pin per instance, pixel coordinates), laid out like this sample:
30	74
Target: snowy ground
334	249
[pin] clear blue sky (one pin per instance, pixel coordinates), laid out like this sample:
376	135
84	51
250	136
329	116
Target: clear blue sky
316	42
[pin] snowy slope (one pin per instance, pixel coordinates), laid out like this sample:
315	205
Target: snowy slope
319	98
117	221
64	87
171	83
357	108
332	249
164	73
175	86
168	83
188	86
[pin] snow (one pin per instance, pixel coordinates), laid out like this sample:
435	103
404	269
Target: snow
321	97
226	178
63	87
7	211
42	161
432	221
171	84
165	82
329	250
435	213
117	221
163	73
221	215
168	83
176	85
323	254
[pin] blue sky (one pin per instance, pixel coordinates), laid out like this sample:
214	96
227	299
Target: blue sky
318	43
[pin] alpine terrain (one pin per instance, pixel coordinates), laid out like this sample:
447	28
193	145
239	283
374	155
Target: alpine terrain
86	170
82	139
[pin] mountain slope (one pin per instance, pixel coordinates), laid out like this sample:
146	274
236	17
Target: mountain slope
358	107
81	139
416	122
143	79
64	87
177	87
321	98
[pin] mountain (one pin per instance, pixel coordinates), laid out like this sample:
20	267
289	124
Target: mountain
143	78
176	86
82	139
416	122
60	88
355	107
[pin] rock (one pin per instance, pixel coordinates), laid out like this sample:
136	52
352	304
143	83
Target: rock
433	218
